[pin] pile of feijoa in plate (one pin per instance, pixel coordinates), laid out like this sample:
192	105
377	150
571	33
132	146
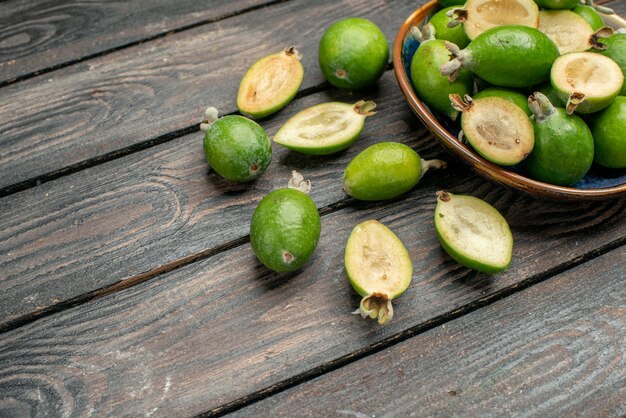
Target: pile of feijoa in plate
535	84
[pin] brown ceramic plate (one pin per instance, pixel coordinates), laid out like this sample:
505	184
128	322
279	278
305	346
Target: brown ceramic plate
597	185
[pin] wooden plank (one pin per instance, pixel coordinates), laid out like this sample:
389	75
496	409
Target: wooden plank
212	332
143	93
38	35
556	349
114	221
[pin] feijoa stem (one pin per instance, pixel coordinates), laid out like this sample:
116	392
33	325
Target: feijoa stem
601	9
365	108
298	182
462	105
454	66
210	116
427	33
293	51
434	164
540	106
457	16
574	100
603	32
376	306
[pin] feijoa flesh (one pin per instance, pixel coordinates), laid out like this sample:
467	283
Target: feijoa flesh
569	31
496	128
270	84
586	81
506	56
608	128
479	16
285	227
353	53
432	87
614	47
384	171
325	128
236	147
563	151
473	232
379	268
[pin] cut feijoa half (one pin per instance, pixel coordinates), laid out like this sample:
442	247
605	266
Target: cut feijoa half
496	128
325	128
473	232
586	81
478	16
270	84
379	268
569	31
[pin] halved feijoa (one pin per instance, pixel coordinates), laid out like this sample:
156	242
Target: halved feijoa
614	47
507	56
325	128
569	31
608	128
512	96
454	34
563	150
432	87
384	171
285	227
473	232
557	4
379	268
586	81
236	147
270	84
496	128
478	16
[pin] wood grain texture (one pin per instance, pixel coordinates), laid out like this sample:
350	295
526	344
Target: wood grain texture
114	221
141	93
555	349
36	35
223	328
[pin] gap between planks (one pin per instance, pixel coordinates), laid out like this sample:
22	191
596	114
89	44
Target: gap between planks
159	35
409	333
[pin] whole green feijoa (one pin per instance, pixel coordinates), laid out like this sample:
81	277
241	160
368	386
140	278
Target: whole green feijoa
557	4
384	171
456	34
590	15
616	50
506	56
547	90
236	147
563	150
608	128
353	53
433	88
512	96
285	227
447	3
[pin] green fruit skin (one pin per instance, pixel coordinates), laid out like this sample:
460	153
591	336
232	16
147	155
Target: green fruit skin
547	90
382	171
456	35
514	97
285	220
468	262
428	82
590	15
356	46
557	4
563	150
512	56
608	128
447	3
326	149
234	146
617	52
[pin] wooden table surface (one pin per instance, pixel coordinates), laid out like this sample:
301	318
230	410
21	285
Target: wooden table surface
127	282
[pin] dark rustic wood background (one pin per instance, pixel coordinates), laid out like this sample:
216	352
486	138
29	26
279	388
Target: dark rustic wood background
128	286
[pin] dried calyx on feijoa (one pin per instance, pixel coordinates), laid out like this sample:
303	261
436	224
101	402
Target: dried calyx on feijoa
379	268
496	128
473	232
325	128
270	84
285	226
235	147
